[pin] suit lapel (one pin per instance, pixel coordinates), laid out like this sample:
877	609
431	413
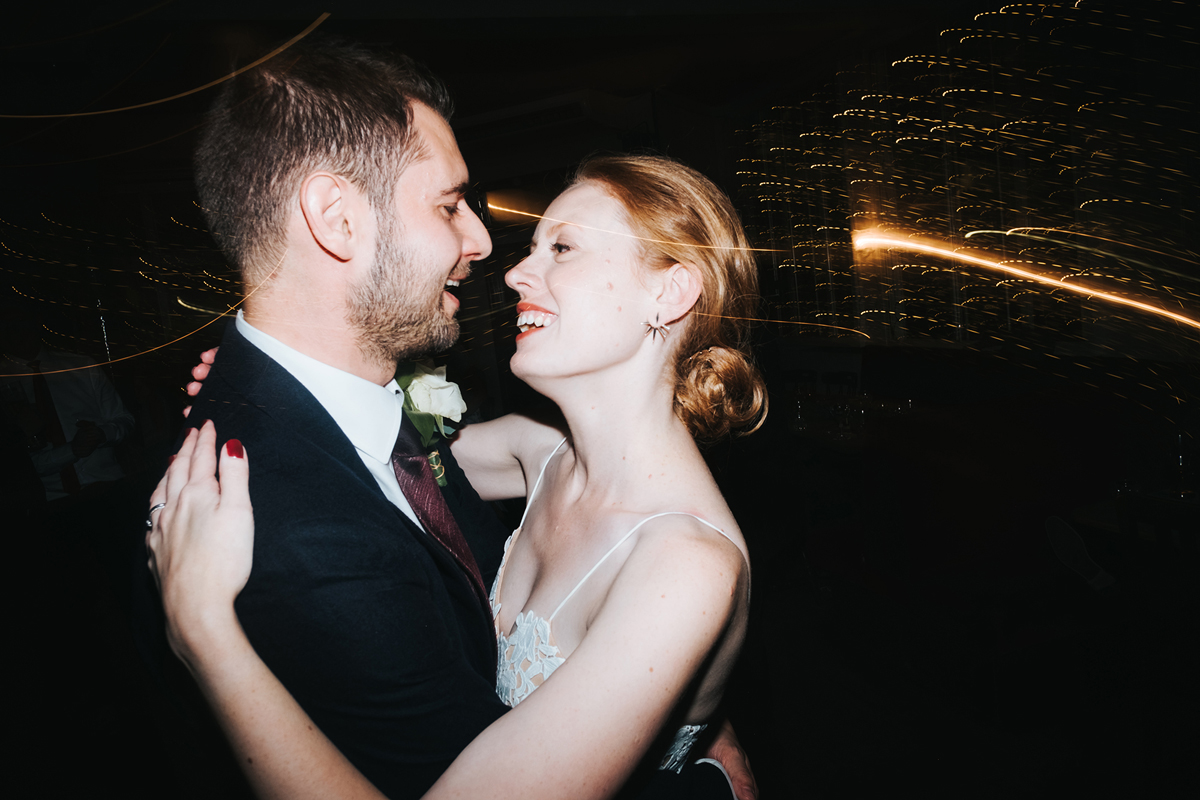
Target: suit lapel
249	372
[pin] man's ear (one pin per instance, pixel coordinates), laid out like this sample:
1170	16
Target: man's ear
679	289
332	209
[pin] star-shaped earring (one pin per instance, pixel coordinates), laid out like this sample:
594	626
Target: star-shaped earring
655	328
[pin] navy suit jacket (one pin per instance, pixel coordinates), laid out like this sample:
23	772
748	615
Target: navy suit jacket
368	621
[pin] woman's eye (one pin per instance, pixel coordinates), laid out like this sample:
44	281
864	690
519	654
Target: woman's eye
559	248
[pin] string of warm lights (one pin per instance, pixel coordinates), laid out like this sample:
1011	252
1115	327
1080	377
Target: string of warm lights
1023	129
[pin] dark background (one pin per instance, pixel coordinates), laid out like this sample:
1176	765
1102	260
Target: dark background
921	624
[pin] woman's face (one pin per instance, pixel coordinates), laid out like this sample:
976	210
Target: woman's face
583	303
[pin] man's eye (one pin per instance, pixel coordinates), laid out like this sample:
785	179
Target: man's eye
452	210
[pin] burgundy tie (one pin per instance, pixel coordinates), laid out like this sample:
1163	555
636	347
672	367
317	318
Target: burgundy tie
419	486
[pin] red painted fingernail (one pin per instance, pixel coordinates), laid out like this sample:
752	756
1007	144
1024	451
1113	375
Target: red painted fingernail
234	449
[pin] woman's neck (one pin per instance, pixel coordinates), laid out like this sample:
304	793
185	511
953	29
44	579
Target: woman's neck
625	436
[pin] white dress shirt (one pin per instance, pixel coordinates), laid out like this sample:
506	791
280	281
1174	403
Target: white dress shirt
369	414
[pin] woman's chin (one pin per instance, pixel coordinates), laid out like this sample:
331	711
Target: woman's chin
529	371
521	367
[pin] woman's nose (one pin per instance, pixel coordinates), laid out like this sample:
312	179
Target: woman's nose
519	276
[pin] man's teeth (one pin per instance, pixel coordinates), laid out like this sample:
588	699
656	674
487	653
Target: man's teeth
451	282
528	320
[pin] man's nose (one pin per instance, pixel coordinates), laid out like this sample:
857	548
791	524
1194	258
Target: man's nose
477	244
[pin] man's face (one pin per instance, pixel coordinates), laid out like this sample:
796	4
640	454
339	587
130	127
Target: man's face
401	308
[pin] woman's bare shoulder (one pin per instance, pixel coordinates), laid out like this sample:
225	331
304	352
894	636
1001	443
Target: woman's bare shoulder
694	544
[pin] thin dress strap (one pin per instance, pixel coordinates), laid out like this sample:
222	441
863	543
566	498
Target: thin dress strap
624	538
538	482
498	586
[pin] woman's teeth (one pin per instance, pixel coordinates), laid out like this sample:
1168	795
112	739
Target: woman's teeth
527	320
451	282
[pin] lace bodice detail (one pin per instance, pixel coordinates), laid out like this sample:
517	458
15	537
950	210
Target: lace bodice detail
528	655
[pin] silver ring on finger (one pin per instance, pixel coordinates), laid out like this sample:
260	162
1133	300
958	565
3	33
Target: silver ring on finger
150	514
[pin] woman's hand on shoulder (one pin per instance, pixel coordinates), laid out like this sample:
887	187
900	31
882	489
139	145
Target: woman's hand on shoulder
201	543
199	373
497	455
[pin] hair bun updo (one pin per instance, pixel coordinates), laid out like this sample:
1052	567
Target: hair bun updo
718	391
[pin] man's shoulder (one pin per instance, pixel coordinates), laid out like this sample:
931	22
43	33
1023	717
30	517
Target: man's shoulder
243	381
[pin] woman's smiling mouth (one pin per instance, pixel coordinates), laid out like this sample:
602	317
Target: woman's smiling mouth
530	317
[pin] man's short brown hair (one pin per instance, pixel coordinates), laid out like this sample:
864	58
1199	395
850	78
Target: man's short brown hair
321	105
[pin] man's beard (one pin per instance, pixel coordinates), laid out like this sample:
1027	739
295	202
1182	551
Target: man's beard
396	317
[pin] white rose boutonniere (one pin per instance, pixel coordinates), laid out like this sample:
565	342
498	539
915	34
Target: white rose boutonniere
430	400
431	393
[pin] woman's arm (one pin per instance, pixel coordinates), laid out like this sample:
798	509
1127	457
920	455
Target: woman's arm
492	453
201	549
580	735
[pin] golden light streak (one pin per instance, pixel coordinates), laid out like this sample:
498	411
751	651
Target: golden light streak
122	358
208	85
495	312
1017	231
1086	249
875	241
202	309
630	235
232	308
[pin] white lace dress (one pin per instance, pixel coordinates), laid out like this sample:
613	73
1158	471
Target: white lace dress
528	654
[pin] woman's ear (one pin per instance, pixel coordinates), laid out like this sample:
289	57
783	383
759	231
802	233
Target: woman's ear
679	290
331	209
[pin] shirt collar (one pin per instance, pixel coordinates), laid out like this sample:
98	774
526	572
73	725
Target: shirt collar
369	414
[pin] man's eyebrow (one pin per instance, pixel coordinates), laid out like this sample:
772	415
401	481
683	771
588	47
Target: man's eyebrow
460	189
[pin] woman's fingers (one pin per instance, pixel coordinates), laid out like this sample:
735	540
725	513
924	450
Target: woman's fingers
235	477
154	532
200	373
166	492
204	456
179	469
236	515
204	551
159	495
